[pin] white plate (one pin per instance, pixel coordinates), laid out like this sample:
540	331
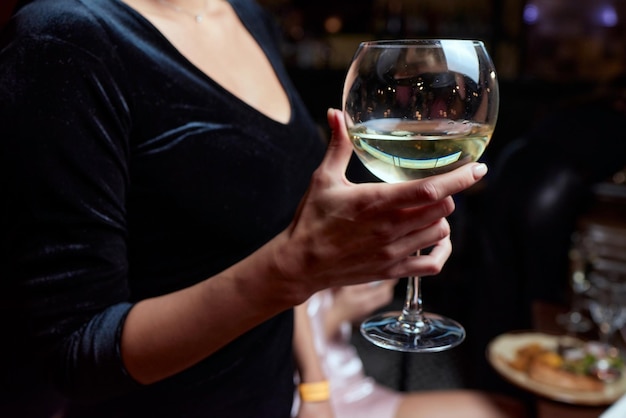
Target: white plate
503	349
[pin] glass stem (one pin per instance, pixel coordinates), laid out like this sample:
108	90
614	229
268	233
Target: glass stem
412	310
606	332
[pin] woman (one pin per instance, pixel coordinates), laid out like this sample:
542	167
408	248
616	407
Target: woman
168	201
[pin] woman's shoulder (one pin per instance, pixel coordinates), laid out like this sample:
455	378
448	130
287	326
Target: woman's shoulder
49	17
72	21
49	33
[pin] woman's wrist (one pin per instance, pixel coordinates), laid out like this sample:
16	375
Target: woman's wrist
314	391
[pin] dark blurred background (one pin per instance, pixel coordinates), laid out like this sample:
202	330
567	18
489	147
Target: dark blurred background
545	51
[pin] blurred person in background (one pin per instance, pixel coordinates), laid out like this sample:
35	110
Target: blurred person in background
333	314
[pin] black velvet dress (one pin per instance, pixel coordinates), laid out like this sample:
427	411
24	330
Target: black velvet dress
126	173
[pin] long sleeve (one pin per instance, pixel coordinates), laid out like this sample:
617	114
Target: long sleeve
63	123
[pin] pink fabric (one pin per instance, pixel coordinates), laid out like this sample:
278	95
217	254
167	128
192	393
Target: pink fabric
353	394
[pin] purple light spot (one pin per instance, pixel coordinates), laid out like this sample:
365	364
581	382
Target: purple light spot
531	13
608	16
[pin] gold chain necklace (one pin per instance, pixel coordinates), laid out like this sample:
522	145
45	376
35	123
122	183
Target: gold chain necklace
198	17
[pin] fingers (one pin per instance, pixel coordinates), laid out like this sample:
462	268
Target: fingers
400	223
340	148
380	296
432	263
429	264
365	298
417	240
372	287
431	189
436	238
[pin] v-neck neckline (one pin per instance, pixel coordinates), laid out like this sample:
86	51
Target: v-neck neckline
245	20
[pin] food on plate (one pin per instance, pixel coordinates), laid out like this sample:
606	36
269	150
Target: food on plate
572	365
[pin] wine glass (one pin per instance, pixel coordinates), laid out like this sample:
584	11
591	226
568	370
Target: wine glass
417	108
607	297
574	320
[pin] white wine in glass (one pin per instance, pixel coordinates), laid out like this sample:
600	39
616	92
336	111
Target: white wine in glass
416	108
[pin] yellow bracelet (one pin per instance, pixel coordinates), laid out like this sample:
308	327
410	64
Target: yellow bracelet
314	392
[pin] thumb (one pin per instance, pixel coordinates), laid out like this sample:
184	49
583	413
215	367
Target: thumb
339	148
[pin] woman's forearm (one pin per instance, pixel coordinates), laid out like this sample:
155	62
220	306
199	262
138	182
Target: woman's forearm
165	335
307	358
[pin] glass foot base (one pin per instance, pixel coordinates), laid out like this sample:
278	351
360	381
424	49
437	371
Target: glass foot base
435	333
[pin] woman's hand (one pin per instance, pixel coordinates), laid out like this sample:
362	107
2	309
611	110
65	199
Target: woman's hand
354	303
346	233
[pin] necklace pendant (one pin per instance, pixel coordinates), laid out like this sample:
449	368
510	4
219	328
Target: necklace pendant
198	18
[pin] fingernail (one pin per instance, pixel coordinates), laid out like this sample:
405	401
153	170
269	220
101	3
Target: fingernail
480	170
